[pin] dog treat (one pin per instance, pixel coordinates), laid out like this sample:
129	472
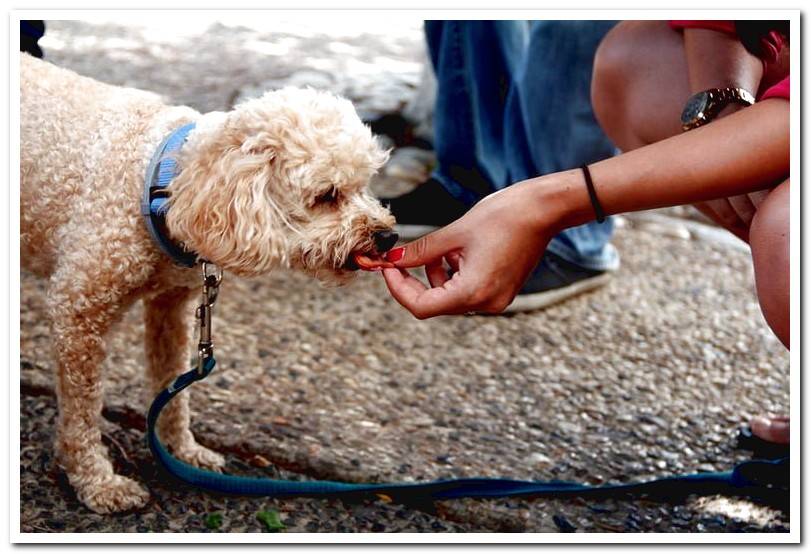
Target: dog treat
370	262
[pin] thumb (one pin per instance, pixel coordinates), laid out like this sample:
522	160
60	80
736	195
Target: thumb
424	250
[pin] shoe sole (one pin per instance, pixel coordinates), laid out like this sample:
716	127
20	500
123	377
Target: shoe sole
539	300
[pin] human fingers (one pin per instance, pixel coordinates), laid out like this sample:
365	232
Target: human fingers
424	302
454	260
425	249
724	215
758	197
436	273
743	207
774	429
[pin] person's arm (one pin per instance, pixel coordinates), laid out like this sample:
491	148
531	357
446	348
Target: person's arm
717	59
744	152
493	247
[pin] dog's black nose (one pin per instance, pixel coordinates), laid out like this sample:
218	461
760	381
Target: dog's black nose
384	240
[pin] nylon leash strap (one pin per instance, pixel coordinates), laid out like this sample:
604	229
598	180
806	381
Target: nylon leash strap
755	478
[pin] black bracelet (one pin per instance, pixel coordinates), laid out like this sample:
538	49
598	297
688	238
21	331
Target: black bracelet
595	203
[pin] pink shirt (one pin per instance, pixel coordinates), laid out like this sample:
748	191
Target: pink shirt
780	90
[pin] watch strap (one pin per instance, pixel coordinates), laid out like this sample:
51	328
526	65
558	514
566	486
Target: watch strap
720	98
735	94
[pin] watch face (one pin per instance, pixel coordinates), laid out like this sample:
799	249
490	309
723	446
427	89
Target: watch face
694	107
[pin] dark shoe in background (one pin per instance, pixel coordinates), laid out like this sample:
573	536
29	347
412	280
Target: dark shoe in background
400	130
30	33
553	281
424	209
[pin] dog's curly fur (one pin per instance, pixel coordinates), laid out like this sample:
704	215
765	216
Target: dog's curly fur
280	181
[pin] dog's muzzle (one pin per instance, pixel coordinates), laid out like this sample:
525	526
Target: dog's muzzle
385	240
373	260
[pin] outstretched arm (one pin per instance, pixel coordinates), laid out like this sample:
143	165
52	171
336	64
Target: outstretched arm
493	248
744	152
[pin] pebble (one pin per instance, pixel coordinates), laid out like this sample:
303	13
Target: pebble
537	459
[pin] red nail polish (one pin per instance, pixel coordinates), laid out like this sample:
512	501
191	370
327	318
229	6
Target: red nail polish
395	255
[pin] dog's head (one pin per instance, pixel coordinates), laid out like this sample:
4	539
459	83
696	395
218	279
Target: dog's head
281	181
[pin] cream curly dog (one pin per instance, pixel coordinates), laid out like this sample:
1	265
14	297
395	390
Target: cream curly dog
280	181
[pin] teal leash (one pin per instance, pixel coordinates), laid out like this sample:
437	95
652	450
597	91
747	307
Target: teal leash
767	479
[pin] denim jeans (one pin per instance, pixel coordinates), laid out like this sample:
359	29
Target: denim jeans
513	102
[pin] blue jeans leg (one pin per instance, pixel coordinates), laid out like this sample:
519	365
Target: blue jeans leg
513	102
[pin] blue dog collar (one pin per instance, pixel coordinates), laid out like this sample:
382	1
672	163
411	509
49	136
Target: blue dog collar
162	169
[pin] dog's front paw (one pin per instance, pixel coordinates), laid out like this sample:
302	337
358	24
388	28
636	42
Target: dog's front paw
114	494
200	456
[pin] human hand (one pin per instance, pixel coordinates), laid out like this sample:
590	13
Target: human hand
735	213
490	252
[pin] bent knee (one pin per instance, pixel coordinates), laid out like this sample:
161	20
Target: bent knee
615	56
610	75
616	73
640	83
769	237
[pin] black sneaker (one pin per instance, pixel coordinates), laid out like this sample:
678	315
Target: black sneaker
423	210
760	448
401	130
555	280
30	33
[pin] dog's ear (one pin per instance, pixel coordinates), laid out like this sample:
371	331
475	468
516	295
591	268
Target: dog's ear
260	144
221	207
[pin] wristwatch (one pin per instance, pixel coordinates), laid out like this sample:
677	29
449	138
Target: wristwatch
702	107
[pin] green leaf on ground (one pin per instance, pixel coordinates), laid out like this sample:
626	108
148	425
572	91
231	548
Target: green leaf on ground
271	520
213	521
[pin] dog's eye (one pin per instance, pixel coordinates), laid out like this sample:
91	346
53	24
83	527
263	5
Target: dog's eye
328	197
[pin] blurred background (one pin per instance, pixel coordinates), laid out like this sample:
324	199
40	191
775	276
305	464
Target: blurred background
211	63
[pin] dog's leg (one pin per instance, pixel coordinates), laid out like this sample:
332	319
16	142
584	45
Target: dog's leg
168	352
83	307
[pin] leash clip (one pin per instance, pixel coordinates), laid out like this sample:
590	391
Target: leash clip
212	277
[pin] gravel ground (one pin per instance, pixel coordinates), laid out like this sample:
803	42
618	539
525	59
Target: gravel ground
51	506
653	374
